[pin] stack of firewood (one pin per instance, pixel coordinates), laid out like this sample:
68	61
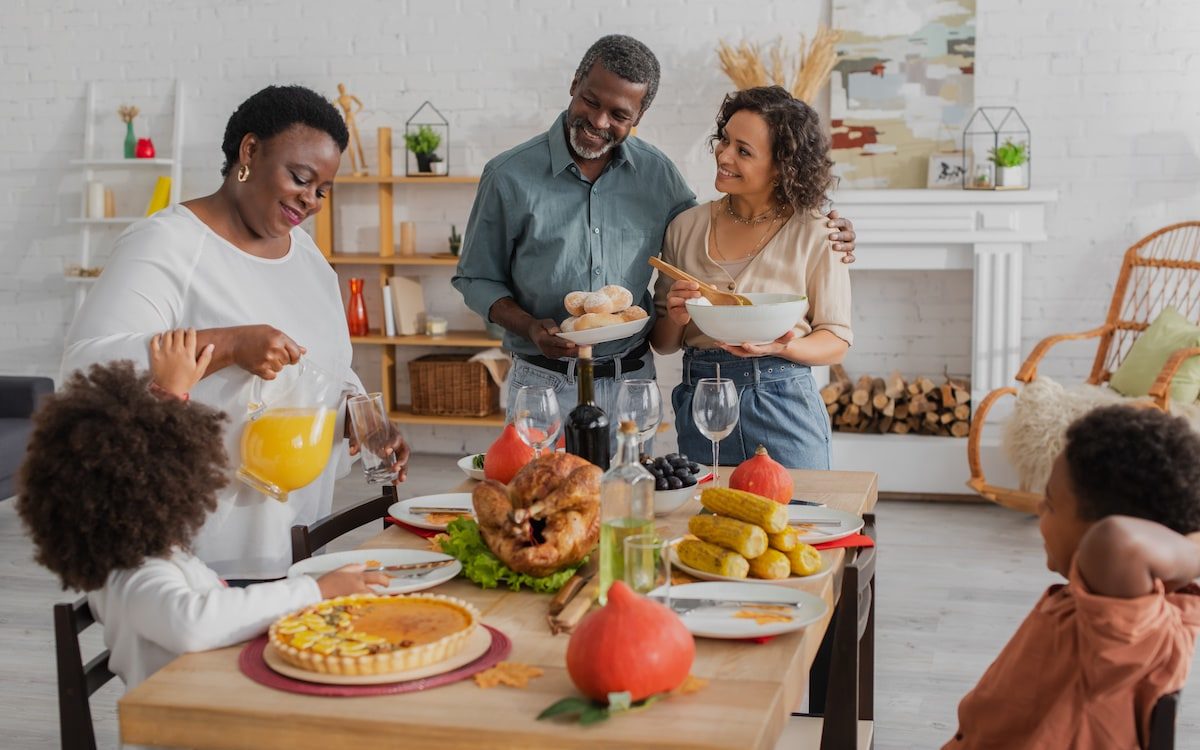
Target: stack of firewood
883	405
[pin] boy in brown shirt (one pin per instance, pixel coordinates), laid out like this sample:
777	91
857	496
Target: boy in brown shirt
1120	521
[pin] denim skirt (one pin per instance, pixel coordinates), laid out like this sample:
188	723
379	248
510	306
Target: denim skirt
779	407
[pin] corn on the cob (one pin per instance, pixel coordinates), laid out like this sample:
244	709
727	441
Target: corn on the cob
784	541
770	564
805	560
746	506
712	559
746	539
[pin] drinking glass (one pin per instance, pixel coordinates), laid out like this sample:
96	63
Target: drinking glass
375	434
536	417
640	401
715	410
648	565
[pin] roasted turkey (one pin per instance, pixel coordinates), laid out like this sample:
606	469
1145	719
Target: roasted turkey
546	519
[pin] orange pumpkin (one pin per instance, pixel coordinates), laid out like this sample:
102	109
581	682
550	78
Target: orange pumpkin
763	476
631	644
506	456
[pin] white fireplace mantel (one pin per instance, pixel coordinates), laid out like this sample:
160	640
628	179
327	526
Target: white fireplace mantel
986	232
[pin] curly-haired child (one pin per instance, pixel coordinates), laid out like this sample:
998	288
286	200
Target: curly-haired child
1119	521
120	474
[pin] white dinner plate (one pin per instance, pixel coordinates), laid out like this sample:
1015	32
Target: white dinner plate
605	334
321	564
476	646
400	512
719	622
467	464
792	580
848	523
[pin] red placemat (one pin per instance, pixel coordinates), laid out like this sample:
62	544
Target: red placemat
854	540
252	664
426	533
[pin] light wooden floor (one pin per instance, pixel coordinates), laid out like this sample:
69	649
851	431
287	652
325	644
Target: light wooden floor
954	582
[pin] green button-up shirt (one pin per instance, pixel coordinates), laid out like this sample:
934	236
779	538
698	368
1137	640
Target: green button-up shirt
539	230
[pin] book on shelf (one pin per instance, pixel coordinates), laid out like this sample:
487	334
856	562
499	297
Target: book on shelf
408	304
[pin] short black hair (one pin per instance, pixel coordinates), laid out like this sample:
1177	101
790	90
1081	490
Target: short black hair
1139	462
114	475
626	57
275	109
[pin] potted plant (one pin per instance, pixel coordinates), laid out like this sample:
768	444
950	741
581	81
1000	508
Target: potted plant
455	240
423	143
1009	159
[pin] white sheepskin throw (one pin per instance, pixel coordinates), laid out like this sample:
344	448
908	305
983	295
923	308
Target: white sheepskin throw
1036	433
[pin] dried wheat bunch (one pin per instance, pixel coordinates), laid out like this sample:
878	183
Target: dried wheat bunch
747	66
127	112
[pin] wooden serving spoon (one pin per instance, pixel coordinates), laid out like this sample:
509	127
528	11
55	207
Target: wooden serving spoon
707	291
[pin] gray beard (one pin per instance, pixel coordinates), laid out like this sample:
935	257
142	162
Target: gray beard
585	153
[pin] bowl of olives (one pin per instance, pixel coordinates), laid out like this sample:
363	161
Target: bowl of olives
675	480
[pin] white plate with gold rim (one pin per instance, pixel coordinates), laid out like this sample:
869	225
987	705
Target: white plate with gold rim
834	524
402	511
799	607
402	582
476	646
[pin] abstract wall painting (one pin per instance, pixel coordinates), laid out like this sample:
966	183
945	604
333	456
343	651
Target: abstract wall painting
903	88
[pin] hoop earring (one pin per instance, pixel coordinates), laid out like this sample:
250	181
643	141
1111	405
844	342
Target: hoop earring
243	173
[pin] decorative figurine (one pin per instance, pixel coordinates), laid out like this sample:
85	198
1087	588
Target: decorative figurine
347	102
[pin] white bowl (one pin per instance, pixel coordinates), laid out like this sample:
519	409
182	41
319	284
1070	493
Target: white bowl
669	501
466	464
771	316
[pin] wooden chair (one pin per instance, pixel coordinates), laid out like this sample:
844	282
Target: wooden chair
841	683
1160	270
308	539
76	681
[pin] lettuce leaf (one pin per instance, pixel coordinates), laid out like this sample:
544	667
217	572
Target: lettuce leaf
464	543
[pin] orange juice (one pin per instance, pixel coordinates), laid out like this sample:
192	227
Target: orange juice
285	449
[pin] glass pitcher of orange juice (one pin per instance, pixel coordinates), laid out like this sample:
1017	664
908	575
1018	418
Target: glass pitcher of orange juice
288	434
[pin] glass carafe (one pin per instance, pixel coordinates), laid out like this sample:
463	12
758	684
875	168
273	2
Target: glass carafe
288	434
626	506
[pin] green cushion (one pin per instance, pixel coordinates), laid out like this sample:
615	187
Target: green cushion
1169	332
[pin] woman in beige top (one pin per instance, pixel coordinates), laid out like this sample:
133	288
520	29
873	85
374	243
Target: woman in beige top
765	235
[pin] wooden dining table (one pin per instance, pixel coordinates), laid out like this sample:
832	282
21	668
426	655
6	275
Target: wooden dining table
203	701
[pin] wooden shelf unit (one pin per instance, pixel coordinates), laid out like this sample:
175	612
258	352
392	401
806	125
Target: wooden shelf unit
385	260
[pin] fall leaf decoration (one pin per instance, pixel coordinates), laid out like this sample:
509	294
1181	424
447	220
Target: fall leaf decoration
586	712
511	673
749	64
127	112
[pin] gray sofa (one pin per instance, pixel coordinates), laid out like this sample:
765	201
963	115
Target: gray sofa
19	396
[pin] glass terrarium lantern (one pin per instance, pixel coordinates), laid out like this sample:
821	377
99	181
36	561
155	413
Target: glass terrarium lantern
427	142
996	150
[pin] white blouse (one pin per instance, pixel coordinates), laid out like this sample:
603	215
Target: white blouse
167	607
172	271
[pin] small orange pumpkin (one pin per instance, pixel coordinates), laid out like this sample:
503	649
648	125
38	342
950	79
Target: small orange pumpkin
763	476
630	644
506	456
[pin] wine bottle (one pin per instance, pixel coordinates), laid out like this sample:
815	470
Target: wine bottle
587	424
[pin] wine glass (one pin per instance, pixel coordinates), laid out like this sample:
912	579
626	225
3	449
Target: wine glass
536	417
640	400
715	410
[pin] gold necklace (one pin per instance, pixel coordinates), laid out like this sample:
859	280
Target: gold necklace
770	213
753	252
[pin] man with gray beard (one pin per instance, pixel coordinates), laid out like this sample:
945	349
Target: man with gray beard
579	207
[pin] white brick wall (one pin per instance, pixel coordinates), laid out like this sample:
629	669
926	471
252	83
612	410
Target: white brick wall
1110	89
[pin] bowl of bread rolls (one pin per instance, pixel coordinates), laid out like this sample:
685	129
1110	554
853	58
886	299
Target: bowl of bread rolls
769	317
605	315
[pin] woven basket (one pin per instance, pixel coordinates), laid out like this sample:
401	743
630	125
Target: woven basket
447	385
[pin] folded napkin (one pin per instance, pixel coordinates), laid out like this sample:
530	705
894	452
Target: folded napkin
496	362
424	533
854	540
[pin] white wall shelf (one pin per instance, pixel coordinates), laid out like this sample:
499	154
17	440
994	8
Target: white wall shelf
89	165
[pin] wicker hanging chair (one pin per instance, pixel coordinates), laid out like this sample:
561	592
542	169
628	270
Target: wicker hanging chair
1161	270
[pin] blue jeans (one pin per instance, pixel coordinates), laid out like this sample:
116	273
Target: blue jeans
564	385
779	408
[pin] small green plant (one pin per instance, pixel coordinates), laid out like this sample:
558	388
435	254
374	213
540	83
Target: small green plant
455	240
1009	154
424	141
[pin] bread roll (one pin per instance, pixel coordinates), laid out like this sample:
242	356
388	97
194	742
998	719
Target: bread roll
597	320
574	303
621	297
632	313
568	325
599	302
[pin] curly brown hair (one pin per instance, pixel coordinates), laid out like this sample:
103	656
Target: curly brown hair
113	475
799	145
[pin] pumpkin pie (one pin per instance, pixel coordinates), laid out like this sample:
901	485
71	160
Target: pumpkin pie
369	634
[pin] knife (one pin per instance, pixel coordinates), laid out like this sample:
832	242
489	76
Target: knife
684	605
812	522
430	565
437	509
